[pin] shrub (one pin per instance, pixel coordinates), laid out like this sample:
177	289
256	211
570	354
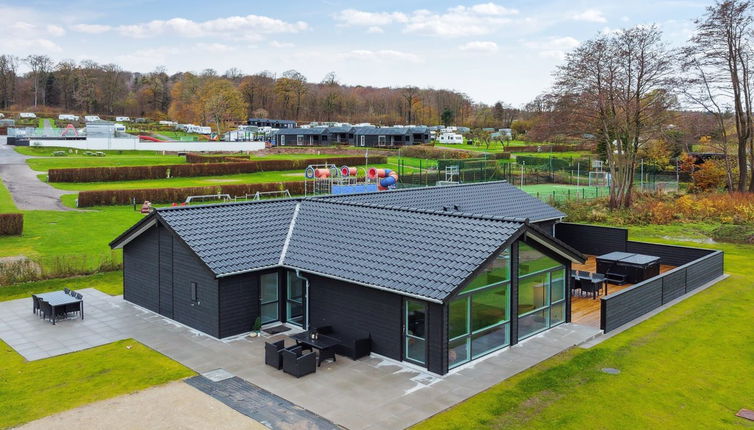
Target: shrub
432	153
198	158
130	173
11	224
734	233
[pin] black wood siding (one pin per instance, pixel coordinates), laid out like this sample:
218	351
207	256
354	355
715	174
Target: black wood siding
141	270
202	314
166	272
155	264
592	239
239	303
626	305
354	309
669	254
437	344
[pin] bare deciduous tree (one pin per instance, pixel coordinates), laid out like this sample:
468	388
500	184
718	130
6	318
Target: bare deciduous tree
621	82
41	66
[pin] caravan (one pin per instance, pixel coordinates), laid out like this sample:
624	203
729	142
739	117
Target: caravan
452	138
122	119
198	129
27	115
91	118
68	117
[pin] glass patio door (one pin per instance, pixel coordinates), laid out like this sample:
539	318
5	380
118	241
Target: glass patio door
415	332
269	297
295	296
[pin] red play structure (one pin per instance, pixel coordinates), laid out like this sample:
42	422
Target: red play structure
151	139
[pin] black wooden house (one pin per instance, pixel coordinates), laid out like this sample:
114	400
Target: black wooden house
435	276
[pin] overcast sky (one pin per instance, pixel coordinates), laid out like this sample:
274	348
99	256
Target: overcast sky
505	50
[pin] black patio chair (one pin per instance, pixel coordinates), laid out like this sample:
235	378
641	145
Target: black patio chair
79	296
45	310
272	355
297	364
67	291
589	286
584	274
35	303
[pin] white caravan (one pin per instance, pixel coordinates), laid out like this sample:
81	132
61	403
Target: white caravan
68	117
453	138
27	115
123	119
91	118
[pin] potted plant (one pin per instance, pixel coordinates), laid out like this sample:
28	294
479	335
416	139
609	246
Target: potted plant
255	329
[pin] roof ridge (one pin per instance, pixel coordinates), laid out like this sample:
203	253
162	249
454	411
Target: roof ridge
423	211
288	236
407	190
246	202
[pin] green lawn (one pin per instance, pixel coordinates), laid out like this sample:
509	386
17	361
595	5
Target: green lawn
32	390
687	367
6	200
107	282
70	240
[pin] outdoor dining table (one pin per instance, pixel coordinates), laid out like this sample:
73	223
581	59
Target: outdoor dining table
58	299
324	344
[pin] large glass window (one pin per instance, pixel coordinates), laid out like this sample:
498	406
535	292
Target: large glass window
478	319
269	297
416	336
541	292
295	296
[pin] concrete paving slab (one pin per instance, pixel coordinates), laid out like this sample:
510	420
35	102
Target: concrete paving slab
374	392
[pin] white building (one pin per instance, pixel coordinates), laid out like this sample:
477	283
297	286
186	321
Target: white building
453	138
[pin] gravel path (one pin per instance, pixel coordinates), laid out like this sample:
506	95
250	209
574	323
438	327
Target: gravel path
175	405
29	193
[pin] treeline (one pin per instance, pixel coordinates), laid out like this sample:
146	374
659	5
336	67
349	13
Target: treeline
207	97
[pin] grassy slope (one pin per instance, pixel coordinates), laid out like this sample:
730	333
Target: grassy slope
108	282
684	368
82	235
6	201
31	390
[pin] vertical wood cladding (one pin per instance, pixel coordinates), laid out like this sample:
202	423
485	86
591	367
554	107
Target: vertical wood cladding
239	303
158	271
166	272
592	239
141	270
353	309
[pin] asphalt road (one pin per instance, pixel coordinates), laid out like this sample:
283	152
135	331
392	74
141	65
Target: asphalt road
29	193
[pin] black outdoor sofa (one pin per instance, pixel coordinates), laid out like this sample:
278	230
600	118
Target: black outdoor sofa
353	346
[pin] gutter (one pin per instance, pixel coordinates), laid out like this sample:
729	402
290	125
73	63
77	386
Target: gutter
306	306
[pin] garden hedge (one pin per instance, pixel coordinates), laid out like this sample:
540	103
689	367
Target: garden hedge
177	195
131	173
11	224
198	158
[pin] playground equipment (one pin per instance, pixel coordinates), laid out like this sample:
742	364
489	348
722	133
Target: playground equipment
330	179
151	139
68	128
387	178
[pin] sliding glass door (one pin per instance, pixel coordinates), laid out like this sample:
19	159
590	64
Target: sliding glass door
268	285
415	333
294	302
541	292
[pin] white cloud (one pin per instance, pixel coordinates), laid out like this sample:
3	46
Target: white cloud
250	27
353	17
553	47
479	46
381	55
214	47
478	19
276	44
375	30
91	28
589	15
55	30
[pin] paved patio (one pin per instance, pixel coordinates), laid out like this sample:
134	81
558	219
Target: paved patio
372	393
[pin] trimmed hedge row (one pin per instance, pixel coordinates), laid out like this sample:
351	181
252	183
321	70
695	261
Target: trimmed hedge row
175	195
130	173
432	153
198	158
11	224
